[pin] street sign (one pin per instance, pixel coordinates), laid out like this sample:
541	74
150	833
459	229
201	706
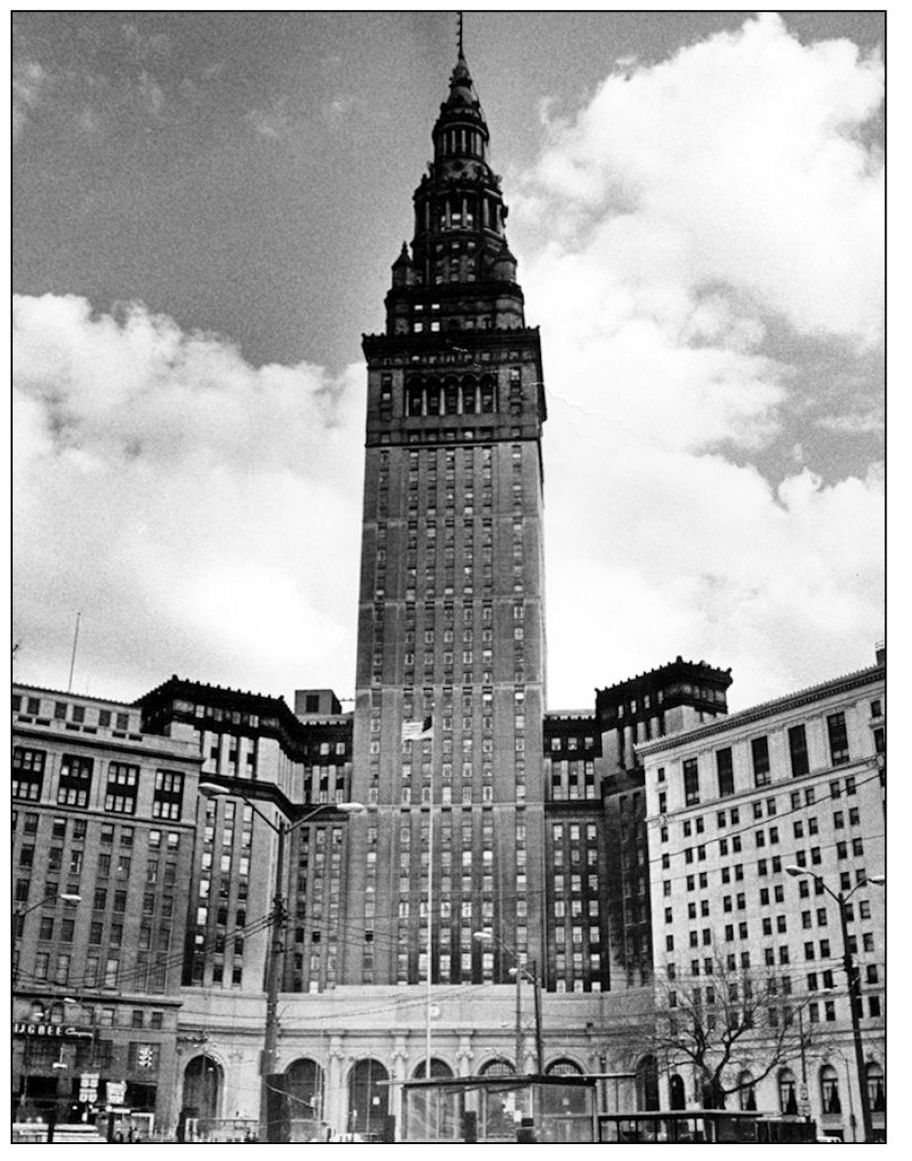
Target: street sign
88	1086
117	1092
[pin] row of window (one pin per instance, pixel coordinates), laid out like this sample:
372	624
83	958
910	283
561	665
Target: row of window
760	760
69	711
74	784
510	355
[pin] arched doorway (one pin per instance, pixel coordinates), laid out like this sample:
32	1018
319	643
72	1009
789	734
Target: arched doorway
788	1093
431	1114
877	1096
564	1107
202	1093
647	1083
676	1095
829	1092
497	1109
304	1085
368	1099
747	1094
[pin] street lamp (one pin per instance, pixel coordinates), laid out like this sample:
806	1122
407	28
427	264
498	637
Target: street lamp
520	973
276	949
852	981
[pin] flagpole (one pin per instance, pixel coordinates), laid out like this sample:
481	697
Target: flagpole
430	922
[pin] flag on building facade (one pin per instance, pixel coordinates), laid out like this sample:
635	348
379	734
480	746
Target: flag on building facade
415	731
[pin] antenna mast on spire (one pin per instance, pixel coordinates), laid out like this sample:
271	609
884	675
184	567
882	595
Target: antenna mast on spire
459	21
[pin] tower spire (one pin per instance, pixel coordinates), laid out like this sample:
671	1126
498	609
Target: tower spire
459	35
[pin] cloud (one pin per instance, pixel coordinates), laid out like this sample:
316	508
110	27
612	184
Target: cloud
854	423
653	551
273	122
703	247
29	81
150	94
196	510
741	161
142	46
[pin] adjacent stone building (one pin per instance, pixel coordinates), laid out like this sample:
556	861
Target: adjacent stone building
750	820
104	831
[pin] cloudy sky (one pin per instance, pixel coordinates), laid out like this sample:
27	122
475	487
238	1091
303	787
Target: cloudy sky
206	210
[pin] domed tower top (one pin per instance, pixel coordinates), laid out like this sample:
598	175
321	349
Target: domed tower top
460	262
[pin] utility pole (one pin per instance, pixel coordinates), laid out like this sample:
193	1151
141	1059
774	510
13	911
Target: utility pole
855	1004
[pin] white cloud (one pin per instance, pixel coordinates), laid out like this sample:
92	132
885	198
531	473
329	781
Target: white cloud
29	80
653	552
273	123
854	422
670	227
202	514
740	161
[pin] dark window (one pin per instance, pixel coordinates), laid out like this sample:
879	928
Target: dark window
725	772
75	781
798	751
839	740
120	795
28	773
691	782
761	760
169	794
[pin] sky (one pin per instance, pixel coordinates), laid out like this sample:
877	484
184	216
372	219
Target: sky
205	211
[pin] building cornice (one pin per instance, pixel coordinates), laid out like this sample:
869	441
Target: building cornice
797	700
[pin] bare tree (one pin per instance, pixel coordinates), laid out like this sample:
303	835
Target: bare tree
733	1028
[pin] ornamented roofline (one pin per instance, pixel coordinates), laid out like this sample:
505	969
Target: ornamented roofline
670	669
802	697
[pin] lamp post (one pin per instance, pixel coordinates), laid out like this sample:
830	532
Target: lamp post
20	914
520	973
852	981
282	829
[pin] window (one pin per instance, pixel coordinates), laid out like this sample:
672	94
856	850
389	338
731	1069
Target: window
798	753
747	1097
120	794
75	781
691	782
169	793
28	773
761	760
874	1077
829	1091
788	1102
839	740
725	772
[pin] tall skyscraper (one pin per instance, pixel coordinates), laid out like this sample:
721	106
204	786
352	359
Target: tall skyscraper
501	845
451	651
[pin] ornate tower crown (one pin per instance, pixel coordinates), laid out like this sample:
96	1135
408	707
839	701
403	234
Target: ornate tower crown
459	255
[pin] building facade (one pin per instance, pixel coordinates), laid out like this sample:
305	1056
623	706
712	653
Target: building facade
752	820
104	830
504	854
450	670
